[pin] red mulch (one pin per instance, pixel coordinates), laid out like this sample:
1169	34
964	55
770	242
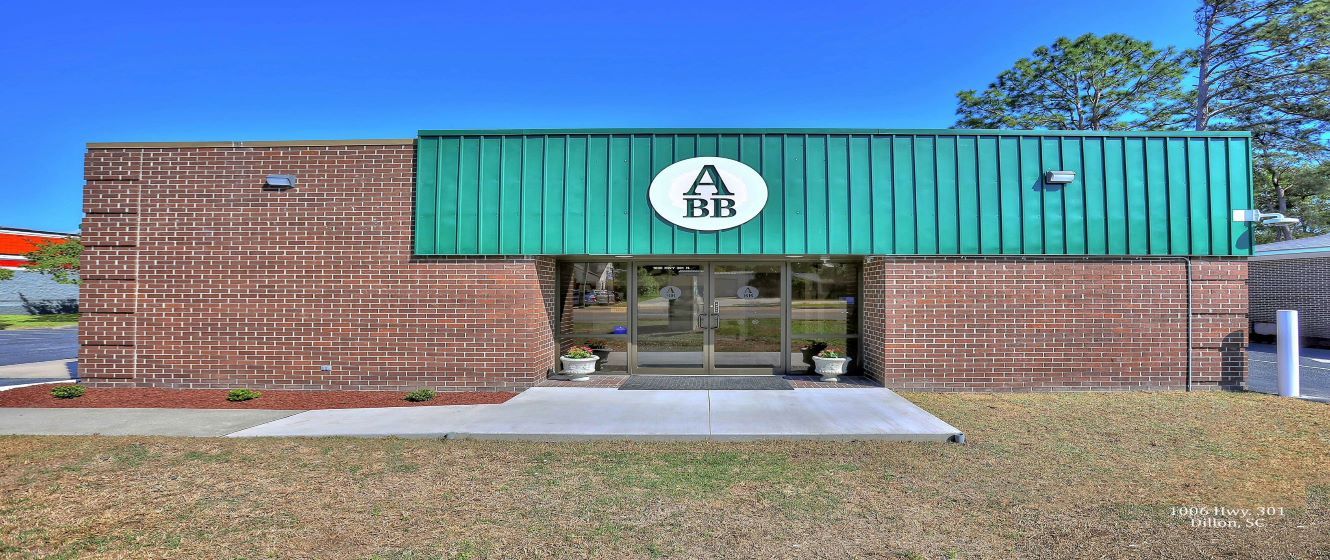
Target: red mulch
39	396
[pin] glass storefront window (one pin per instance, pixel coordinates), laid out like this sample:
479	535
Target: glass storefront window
594	310
824	311
709	317
824	299
595	299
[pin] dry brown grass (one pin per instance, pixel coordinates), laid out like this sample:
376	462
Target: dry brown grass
1069	475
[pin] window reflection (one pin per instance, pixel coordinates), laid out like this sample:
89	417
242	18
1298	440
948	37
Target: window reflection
594	311
595	299
824	298
824	311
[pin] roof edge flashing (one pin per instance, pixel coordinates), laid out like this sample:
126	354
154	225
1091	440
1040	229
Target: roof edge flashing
885	131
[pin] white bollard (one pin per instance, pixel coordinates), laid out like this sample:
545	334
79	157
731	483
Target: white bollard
1287	352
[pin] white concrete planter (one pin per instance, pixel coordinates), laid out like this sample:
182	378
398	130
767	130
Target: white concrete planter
578	368
830	368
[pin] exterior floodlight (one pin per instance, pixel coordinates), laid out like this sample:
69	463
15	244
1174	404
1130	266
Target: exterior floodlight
1265	218
279	182
1278	220
1059	177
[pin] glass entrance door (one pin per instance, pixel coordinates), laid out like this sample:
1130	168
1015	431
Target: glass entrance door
705	318
746	299
673	318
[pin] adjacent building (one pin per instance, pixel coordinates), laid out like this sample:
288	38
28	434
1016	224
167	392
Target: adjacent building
27	292
947	260
1293	275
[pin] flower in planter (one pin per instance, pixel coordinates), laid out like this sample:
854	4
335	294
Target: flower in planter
597	344
831	352
578	353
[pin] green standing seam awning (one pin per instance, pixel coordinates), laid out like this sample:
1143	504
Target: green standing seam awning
839	192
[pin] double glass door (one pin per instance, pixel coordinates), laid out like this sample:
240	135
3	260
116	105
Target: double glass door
709	318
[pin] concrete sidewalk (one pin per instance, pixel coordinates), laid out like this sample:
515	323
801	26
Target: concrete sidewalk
567	413
541	413
38	372
132	421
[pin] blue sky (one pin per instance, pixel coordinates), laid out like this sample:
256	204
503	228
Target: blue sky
238	70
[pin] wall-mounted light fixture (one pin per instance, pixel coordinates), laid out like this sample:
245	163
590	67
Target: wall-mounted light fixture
279	182
1059	177
1265	218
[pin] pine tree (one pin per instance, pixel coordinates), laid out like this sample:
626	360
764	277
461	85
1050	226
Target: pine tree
1264	66
1113	82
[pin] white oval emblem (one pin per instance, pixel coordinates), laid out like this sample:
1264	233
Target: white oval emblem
671	292
708	193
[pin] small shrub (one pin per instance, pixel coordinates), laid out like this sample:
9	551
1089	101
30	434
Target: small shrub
237	395
421	395
68	391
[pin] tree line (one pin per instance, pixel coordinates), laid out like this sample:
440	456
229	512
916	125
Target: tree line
1257	65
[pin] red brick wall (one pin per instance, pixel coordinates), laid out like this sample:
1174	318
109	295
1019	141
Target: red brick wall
1043	324
195	276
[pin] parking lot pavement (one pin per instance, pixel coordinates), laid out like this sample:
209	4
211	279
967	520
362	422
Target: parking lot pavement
22	346
1314	366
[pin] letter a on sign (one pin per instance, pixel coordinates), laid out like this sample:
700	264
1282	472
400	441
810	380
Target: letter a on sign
708	193
710	177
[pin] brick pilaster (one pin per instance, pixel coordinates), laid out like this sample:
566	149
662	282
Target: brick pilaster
109	267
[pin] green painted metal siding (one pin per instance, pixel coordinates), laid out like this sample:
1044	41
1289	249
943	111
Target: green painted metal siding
839	192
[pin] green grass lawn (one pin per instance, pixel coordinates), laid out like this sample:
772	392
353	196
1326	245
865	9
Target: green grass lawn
1094	475
38	321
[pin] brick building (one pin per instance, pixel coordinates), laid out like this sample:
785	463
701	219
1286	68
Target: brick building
1292	275
466	260
29	292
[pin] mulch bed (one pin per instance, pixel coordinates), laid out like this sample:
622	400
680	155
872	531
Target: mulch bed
39	396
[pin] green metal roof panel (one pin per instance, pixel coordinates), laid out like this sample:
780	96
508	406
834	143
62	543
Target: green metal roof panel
842	191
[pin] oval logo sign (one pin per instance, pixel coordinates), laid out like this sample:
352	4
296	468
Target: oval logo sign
708	193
